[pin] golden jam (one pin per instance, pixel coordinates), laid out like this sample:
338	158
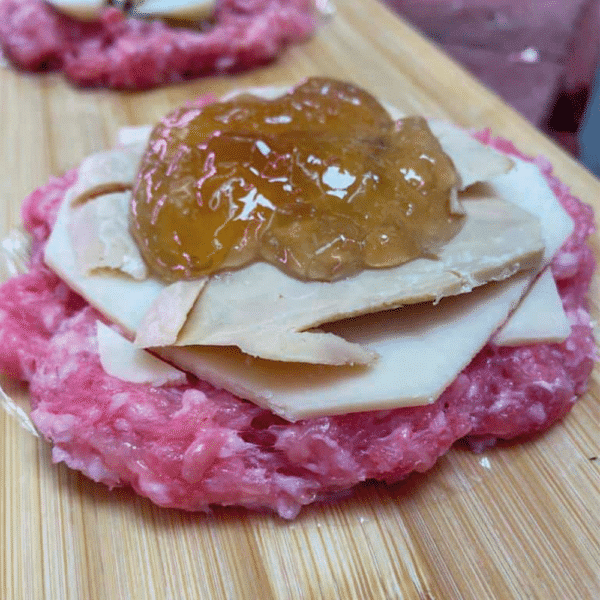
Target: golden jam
320	182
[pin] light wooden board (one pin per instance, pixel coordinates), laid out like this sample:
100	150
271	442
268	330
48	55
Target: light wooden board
519	521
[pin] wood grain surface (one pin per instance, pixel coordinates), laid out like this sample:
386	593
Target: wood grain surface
518	521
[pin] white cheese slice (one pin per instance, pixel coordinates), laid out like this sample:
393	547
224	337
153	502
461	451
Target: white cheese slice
121	299
231	369
98	173
136	135
121	359
421	350
99	232
98	220
167	314
254	307
84	10
526	187
474	161
540	317
181	10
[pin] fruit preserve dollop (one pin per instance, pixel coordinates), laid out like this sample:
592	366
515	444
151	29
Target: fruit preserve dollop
320	182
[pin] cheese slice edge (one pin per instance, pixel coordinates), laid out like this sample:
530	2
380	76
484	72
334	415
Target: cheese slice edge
421	349
121	359
540	317
271	397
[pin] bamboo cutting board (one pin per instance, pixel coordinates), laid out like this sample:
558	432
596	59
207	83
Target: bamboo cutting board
518	521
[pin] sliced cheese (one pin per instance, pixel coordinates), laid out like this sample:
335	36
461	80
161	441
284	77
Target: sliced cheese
474	161
98	173
83	10
121	359
167	314
254	307
123	300
137	135
98	220
526	187
99	232
181	10
540	317
421	350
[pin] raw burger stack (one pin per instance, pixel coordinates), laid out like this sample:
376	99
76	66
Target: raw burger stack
193	446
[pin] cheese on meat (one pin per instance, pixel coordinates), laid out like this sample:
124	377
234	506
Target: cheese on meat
420	348
121	359
122	299
84	10
179	10
526	187
99	232
253	307
98	173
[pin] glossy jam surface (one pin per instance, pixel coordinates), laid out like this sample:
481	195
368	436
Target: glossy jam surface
320	182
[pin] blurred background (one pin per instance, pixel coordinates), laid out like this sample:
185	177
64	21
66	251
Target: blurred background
540	56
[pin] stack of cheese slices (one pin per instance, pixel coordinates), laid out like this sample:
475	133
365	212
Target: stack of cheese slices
383	338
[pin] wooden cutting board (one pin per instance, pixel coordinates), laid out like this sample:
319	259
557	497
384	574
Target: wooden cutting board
518	521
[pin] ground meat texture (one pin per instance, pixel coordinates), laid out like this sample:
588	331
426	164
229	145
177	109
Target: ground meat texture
127	53
193	446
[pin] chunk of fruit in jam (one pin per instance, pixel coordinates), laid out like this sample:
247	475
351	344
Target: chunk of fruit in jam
320	182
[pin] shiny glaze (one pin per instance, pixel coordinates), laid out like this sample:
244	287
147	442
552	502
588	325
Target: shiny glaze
320	182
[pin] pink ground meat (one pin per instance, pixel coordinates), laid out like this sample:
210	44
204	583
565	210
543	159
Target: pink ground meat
194	445
128	53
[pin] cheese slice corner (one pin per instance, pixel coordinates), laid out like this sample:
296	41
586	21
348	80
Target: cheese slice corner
162	322
121	359
540	317
474	161
99	233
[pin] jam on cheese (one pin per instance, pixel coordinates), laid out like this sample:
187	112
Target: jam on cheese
320	182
